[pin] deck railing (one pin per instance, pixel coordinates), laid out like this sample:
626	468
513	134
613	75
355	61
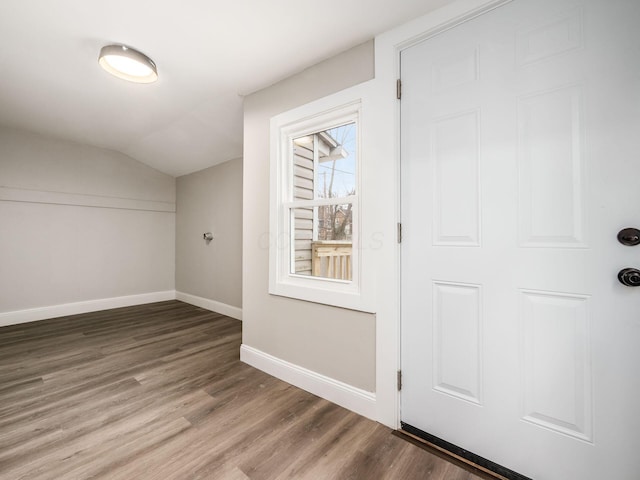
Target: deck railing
331	259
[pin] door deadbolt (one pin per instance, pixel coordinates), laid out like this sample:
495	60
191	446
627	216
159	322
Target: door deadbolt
629	236
629	277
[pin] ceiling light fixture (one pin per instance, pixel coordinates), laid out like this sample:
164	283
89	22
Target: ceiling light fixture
127	63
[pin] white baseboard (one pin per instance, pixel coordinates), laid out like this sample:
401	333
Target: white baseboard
42	313
351	398
218	307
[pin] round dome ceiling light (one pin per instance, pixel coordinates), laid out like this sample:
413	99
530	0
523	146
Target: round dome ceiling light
127	63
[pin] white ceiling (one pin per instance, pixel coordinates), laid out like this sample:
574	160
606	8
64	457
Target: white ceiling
209	53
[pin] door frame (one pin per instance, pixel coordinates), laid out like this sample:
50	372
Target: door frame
388	48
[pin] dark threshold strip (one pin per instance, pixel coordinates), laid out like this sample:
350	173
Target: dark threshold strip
462	453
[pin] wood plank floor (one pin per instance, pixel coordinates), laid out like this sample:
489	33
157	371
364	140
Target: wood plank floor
158	392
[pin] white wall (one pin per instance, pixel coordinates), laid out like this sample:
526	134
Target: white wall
210	274
79	224
335	343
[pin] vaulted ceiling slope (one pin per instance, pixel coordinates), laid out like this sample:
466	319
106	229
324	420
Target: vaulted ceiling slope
209	53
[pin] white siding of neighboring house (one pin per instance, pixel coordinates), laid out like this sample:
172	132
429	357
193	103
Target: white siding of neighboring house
303	175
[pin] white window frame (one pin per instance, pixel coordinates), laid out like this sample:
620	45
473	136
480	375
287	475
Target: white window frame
338	109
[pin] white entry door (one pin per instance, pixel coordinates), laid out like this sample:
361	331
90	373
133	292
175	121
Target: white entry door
520	165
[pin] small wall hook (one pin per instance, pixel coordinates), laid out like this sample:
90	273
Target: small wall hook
208	236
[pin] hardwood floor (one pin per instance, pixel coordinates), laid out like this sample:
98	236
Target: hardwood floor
158	392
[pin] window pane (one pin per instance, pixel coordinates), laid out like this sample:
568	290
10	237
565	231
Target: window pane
334	222
325	164
323	241
337	162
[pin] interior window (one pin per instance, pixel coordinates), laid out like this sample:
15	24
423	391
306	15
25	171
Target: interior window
316	187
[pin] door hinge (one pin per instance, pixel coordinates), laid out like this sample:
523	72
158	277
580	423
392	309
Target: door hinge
398	89
399	232
399	380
